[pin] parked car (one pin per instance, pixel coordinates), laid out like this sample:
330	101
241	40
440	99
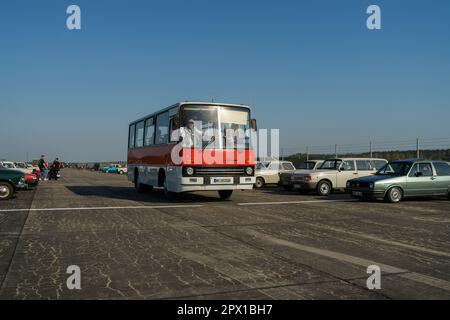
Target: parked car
122	170
304	167
333	174
112	168
402	179
269	172
10	182
31	180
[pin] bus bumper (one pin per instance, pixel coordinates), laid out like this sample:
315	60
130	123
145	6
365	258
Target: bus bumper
201	184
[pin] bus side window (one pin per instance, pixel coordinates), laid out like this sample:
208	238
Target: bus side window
131	136
162	128
149	132
139	140
174	125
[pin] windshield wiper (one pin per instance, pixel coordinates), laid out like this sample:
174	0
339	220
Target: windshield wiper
213	138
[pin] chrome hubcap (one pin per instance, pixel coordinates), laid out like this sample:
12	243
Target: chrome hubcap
4	191
395	194
324	188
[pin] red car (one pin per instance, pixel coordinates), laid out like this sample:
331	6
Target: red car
31	180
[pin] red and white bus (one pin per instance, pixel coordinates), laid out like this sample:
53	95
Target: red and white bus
186	147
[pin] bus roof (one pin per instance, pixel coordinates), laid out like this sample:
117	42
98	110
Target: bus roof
179	104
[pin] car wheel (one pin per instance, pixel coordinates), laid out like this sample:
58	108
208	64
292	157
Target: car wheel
324	188
225	194
394	195
6	190
259	183
121	172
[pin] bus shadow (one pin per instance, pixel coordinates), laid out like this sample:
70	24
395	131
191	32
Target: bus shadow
128	193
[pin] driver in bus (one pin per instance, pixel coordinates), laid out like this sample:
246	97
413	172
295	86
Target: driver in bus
192	136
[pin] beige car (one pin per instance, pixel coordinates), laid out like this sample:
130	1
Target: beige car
269	172
333	174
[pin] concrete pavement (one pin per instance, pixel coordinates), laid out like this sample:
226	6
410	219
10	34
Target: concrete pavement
262	244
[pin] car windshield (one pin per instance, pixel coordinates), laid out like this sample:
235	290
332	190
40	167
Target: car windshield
330	165
21	165
8	165
306	165
234	122
395	169
261	165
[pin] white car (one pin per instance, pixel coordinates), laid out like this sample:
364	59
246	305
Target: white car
12	165
304	167
333	174
269	172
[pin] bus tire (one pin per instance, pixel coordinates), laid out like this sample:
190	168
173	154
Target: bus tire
6	190
259	183
225	194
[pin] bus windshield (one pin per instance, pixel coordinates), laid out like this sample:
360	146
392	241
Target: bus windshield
204	120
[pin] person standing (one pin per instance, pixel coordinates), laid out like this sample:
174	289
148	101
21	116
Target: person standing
43	166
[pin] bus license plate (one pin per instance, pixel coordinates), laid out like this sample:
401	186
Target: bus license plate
221	180
357	193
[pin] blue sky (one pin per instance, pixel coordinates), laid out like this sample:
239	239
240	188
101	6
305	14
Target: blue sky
310	68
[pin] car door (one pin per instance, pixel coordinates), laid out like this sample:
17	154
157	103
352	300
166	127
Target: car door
273	172
421	180
442	175
364	168
347	172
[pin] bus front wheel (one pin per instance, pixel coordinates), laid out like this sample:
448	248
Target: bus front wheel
225	194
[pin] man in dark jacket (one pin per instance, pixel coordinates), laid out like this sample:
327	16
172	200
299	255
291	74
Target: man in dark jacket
43	166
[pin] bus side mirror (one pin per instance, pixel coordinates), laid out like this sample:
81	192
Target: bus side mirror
253	124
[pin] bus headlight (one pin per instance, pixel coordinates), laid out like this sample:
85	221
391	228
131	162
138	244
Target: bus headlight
249	171
189	171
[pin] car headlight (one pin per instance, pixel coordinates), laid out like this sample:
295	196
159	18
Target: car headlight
249	171
189	171
348	184
371	185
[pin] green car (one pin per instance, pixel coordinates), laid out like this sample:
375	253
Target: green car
401	179
10	182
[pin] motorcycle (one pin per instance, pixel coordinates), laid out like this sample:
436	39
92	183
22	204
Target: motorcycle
53	174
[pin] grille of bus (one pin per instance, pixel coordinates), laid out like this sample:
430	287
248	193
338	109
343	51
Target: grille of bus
219	171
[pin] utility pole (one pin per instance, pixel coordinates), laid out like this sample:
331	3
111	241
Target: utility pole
370	147
417	149
335	151
307	154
